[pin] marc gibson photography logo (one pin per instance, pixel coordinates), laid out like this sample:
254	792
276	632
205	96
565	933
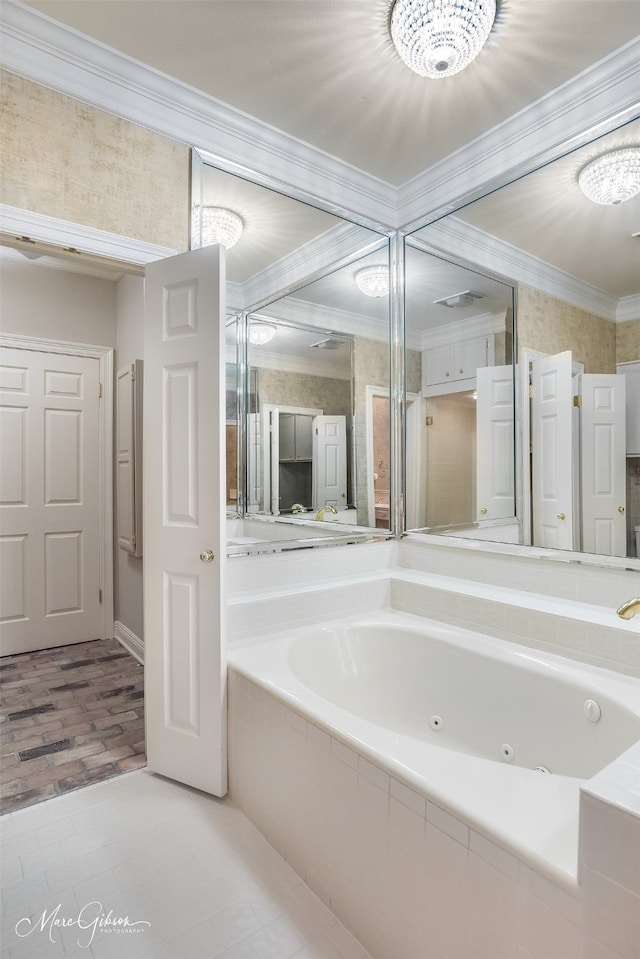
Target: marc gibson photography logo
91	919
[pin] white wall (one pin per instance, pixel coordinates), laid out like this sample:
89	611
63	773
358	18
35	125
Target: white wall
127	569
55	304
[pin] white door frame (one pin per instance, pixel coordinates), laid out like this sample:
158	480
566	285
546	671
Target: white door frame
270	445
104	355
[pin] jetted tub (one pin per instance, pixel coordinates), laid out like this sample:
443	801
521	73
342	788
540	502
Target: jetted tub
500	735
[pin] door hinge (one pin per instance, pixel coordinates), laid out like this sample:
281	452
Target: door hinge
100	596
532	392
428	421
99	391
577	400
133	371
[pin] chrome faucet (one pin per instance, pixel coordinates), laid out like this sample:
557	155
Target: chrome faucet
321	512
298	508
629	609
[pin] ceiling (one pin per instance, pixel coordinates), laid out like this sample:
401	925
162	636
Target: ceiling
326	71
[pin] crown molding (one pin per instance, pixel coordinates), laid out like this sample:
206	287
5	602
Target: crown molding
463	330
63	233
36	47
467	243
326	318
600	99
329	251
593	103
628	308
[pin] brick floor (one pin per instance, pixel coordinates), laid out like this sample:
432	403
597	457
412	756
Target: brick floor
69	717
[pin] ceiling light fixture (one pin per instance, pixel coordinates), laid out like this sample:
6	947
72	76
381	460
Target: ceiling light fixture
437	38
373	280
261	333
219	225
613	177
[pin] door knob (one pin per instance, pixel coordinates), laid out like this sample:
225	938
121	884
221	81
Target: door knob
483	510
621	509
561	516
207	556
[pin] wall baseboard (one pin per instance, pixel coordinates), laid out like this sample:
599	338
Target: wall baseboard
132	643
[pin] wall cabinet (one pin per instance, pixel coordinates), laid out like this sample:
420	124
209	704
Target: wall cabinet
296	438
456	363
632	402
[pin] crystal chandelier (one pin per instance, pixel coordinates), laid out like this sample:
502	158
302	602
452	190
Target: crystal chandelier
613	177
261	333
437	38
373	280
218	225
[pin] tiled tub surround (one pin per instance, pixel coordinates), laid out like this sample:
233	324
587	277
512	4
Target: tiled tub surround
408	877
446	709
363	836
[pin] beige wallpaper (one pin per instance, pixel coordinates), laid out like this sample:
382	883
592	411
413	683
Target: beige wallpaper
451	466
301	389
67	160
628	341
552	326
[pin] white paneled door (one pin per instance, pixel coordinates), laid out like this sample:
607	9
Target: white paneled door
329	470
184	504
552	457
49	500
495	442
603	465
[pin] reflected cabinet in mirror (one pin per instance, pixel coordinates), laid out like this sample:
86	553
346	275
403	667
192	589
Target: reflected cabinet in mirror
571	388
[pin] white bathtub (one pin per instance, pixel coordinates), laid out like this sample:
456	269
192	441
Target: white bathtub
462	718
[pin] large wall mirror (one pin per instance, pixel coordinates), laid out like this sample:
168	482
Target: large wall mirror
571	387
308	382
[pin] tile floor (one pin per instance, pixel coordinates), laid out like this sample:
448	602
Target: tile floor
70	716
195	875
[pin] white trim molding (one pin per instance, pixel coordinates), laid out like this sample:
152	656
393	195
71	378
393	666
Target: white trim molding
132	643
104	355
458	331
63	233
465	242
596	101
297	310
36	47
628	308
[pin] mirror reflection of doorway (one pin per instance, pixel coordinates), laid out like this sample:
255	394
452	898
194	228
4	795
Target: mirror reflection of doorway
381	458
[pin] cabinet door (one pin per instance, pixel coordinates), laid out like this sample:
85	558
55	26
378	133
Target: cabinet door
632	385
439	365
469	356
287	438
303	436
